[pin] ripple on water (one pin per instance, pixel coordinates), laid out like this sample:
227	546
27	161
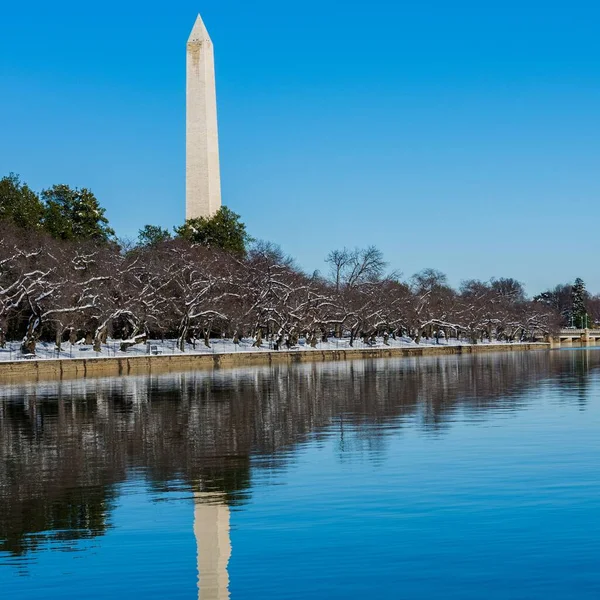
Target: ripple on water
455	477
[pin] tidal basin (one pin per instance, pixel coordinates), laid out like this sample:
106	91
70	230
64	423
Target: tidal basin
435	477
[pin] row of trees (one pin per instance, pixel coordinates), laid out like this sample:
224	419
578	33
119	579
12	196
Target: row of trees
73	214
69	278
174	287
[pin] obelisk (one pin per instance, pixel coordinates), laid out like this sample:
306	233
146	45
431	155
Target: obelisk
203	179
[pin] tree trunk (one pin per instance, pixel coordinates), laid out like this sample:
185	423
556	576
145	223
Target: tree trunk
258	341
99	335
32	335
183	332
352	336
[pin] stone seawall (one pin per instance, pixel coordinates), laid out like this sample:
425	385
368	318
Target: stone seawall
40	370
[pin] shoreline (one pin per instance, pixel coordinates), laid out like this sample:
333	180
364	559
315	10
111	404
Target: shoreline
76	368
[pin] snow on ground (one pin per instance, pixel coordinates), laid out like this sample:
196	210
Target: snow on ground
47	350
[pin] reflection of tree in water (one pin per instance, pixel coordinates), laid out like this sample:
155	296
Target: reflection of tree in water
64	446
574	380
65	489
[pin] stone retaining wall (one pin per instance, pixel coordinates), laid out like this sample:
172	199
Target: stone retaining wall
40	370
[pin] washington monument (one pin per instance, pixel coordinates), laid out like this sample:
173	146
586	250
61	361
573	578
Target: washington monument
203	179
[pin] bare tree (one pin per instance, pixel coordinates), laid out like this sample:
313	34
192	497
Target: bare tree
350	268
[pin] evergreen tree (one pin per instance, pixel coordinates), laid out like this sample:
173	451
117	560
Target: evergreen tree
560	298
223	230
579	296
151	235
19	204
75	214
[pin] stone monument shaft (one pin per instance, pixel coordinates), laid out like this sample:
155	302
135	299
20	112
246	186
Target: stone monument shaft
203	179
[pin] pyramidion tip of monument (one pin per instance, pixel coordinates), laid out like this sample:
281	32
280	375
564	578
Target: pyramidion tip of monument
199	31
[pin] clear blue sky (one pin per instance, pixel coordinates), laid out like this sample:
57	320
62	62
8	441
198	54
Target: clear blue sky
457	135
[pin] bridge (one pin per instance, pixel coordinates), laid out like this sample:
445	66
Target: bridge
582	336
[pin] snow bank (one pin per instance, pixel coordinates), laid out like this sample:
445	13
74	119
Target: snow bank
47	350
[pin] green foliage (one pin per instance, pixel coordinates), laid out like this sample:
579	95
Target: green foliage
151	235
75	214
223	230
19	204
579	296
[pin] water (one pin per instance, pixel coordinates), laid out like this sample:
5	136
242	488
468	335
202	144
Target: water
452	477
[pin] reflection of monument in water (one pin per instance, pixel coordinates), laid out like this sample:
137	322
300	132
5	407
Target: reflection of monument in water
211	528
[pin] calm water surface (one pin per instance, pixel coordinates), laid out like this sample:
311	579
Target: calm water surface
453	477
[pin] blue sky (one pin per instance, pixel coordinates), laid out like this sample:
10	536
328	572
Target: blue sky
463	136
